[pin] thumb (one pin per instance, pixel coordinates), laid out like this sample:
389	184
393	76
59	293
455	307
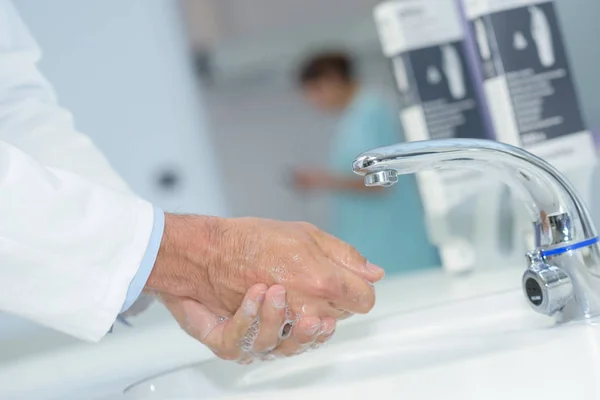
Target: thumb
193	317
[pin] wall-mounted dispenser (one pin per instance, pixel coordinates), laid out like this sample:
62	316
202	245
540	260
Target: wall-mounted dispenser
522	66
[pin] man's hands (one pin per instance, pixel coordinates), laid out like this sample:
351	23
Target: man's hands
208	266
215	261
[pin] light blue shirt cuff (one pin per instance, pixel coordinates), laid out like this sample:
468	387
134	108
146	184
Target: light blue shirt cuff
141	277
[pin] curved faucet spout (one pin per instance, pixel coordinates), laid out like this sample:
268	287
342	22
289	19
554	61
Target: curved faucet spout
558	213
563	278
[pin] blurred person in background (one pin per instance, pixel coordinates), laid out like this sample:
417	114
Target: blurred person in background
385	225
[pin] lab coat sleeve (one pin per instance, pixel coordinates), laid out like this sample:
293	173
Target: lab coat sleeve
31	122
69	247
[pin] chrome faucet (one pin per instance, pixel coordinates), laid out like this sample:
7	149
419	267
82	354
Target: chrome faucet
563	275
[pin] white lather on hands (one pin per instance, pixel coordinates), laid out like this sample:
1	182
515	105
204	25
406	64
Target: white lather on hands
261	329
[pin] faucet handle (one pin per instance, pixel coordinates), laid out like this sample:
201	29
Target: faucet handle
547	288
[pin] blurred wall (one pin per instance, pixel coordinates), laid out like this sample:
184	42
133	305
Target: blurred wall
122	68
216	21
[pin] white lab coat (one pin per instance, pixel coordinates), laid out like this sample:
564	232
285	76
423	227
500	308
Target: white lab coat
72	236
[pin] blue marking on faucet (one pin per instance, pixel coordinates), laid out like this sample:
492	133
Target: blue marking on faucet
570	247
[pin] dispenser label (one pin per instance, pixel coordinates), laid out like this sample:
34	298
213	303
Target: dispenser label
527	79
435	79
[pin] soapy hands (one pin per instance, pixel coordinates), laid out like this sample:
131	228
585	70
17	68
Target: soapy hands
260	329
209	270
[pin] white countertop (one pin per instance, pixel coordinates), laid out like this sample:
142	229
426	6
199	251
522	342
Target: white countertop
59	367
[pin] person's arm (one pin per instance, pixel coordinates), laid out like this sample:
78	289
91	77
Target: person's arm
69	247
352	184
326	180
32	121
378	128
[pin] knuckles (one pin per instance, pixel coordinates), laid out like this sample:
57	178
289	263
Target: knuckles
327	287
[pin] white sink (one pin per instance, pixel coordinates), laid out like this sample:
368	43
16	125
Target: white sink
491	347
430	335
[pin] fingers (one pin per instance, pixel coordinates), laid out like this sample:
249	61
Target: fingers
255	331
272	320
347	288
322	305
306	330
344	291
302	340
233	338
326	332
346	256
303	335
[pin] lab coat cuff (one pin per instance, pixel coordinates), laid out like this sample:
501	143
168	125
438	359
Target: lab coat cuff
141	277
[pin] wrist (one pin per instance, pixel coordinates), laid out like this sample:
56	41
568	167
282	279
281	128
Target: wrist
184	255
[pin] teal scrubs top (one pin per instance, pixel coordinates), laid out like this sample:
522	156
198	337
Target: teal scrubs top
388	227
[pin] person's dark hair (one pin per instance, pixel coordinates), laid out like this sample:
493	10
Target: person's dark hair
327	64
